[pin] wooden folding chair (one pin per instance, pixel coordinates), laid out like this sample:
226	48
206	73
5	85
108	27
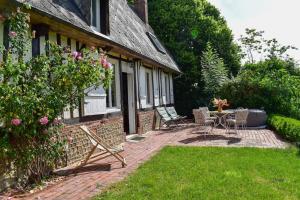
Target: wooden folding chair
105	152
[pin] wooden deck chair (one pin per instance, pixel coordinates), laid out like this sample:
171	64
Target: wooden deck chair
106	150
173	114
164	117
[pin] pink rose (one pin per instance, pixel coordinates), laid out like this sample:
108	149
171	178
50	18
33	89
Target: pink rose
44	120
69	139
12	34
79	57
75	54
16	122
110	66
56	122
103	61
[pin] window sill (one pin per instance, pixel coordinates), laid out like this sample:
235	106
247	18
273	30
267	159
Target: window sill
112	110
97	32
148	106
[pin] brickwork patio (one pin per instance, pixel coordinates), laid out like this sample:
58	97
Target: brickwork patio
92	179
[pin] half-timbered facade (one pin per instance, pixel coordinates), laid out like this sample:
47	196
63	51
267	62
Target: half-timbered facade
143	69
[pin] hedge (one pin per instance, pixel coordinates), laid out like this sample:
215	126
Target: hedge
289	128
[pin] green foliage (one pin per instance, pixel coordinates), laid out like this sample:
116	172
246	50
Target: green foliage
130	1
287	127
214	73
255	45
34	93
186	27
271	84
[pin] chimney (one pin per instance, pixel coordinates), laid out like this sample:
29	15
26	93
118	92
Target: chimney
141	7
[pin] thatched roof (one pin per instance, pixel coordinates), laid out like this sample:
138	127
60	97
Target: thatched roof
126	28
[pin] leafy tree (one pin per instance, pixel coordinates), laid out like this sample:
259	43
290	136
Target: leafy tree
186	27
254	44
214	72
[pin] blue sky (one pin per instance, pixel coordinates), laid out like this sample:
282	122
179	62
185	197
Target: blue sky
278	18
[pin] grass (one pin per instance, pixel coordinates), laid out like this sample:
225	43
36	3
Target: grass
213	173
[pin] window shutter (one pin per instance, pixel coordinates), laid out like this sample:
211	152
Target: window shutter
104	15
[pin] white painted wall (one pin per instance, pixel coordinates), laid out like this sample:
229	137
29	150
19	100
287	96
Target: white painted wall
94	102
52	36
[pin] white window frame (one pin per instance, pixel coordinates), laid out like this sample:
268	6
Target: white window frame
98	20
110	106
167	86
148	104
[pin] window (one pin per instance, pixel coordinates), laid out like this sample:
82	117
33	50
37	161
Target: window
95	15
167	88
156	43
100	16
148	88
111	96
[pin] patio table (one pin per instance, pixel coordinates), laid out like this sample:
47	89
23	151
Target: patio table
221	117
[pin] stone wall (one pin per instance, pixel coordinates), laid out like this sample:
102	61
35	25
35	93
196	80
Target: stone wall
146	121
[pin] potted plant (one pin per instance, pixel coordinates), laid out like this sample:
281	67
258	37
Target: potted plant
219	103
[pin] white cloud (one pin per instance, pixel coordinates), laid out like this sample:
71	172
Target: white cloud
278	18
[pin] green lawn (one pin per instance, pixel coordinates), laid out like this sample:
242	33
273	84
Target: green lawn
213	173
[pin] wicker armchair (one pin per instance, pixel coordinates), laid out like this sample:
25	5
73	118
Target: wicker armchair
202	119
239	120
207	115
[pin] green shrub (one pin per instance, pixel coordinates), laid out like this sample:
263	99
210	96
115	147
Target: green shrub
287	127
269	84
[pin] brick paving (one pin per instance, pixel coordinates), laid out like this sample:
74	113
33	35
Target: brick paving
92	179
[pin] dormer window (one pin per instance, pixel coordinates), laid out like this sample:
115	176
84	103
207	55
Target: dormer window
100	16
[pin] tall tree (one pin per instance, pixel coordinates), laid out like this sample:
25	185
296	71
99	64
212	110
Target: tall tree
214	73
185	27
255	45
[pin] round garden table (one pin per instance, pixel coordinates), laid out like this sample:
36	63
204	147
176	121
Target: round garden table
221	117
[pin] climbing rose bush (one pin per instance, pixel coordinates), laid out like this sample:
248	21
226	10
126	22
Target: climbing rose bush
33	94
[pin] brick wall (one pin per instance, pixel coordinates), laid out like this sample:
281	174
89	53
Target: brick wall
110	130
146	121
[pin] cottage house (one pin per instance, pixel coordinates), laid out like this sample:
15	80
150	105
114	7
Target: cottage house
143	68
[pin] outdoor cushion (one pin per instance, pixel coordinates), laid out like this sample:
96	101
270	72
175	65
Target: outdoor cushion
173	114
163	114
